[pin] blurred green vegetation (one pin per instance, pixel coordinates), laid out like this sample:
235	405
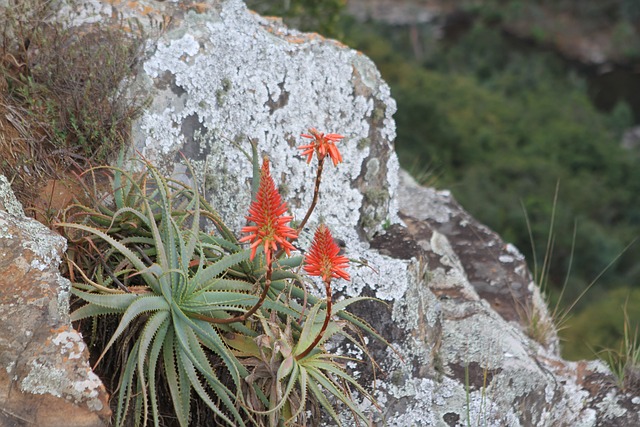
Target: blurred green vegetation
502	127
321	16
597	327
547	21
502	124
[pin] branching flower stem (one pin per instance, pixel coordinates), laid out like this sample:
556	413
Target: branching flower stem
316	193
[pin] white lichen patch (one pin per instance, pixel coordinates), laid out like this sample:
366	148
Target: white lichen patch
62	306
70	343
482	409
45	245
609	407
89	387
162	132
8	201
422	202
506	258
419	393
272	91
440	245
514	252
44	378
386	276
78	385
4	229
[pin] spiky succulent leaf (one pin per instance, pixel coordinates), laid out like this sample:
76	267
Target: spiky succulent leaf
126	386
130	255
92	310
115	301
317	393
143	304
311	328
154	354
245	346
179	389
208	274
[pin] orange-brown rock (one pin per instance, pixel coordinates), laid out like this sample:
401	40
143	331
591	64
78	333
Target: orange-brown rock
45	377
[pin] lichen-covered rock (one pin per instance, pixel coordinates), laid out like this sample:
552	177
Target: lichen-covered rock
45	378
461	304
465	325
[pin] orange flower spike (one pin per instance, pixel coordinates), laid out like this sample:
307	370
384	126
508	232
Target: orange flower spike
323	145
267	212
324	259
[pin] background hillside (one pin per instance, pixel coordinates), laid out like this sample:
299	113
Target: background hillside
501	102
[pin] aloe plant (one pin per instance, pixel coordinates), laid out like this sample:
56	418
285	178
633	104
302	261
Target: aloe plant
232	327
180	275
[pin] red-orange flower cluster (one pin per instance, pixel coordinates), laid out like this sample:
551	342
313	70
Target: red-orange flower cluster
322	145
267	212
324	259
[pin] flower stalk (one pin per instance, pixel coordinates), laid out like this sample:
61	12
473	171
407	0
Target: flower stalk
324	260
316	193
322	145
327	287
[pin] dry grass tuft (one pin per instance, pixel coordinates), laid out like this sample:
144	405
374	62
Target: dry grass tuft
66	101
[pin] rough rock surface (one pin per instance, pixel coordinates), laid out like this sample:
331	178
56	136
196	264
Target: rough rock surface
45	378
458	297
466	315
